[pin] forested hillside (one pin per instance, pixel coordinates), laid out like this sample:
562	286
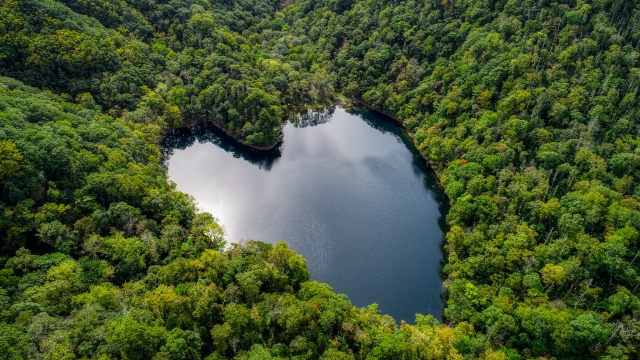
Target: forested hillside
526	109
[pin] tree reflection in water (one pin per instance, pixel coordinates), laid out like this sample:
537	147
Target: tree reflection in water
182	138
313	117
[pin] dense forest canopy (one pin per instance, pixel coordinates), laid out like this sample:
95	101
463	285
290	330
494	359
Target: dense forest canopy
527	109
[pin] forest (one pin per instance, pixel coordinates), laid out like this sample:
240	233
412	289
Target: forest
528	111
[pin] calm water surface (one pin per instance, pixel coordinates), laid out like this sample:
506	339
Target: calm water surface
346	189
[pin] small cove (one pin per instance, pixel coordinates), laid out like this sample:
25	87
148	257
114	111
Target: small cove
346	189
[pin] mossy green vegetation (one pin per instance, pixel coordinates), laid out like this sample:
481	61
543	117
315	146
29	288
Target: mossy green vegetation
527	110
102	258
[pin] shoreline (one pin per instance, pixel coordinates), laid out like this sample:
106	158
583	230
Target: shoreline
242	142
345	103
226	132
393	117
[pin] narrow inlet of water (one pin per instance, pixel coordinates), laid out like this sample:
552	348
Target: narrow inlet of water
346	189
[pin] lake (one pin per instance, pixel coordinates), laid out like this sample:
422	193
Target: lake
347	189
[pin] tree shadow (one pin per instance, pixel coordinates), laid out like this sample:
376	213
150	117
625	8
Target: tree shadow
185	137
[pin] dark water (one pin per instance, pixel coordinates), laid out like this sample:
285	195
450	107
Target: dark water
346	189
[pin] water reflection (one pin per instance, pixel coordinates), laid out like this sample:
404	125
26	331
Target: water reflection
185	137
385	124
313	117
346	189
